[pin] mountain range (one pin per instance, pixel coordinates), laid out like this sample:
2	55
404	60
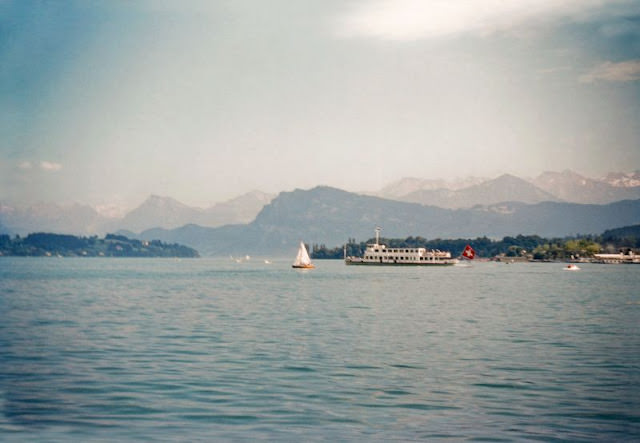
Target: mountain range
506	188
330	216
566	186
155	211
167	212
572	187
398	189
552	204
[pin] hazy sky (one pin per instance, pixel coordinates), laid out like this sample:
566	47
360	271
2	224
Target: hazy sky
110	101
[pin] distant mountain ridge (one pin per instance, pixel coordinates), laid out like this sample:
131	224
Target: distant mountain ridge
159	211
167	213
64	219
622	179
565	186
408	185
573	187
155	211
506	188
330	216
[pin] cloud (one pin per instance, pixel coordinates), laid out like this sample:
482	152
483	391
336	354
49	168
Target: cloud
419	19
44	165
627	71
50	166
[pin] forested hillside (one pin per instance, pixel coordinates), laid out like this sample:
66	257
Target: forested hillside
45	244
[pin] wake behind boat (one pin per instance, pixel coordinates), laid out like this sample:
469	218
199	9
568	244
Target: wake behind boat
378	254
302	261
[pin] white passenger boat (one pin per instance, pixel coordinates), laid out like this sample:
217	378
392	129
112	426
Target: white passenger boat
624	257
377	254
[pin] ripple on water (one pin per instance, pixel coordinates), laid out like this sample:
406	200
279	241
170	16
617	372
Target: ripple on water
200	350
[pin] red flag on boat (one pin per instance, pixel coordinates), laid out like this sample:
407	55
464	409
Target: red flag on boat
469	252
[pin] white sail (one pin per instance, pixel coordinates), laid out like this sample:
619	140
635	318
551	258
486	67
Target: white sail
302	259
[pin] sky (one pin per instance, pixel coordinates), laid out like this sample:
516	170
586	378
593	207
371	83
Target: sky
107	102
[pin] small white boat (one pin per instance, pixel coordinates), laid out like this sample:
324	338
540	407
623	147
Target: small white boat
302	261
571	267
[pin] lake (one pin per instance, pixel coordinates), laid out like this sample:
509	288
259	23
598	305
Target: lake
198	349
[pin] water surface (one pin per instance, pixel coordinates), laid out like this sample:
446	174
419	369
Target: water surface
161	349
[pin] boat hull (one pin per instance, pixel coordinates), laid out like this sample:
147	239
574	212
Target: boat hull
303	266
357	262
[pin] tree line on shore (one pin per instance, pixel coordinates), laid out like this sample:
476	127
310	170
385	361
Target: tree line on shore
532	246
46	244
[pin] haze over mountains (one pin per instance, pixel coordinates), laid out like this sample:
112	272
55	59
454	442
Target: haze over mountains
569	186
506	188
566	186
155	211
166	212
552	204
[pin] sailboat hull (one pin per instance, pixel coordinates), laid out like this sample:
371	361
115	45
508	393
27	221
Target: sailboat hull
302	266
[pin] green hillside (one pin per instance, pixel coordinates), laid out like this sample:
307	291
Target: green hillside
45	244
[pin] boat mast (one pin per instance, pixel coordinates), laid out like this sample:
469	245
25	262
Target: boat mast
378	229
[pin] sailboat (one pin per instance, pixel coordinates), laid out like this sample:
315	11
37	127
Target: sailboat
302	259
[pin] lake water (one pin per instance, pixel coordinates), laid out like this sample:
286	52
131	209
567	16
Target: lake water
202	349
